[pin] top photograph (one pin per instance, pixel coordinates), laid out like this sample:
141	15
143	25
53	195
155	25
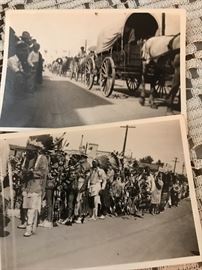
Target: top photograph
65	68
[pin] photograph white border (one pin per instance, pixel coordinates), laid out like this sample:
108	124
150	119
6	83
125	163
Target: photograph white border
198	229
180	12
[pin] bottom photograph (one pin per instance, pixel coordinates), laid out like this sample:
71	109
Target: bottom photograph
118	196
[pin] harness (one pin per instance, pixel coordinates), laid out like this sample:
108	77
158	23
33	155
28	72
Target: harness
170	46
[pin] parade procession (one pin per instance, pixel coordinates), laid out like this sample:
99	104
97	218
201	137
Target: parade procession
117	63
132	54
53	187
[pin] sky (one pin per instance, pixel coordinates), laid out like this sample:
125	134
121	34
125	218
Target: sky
161	140
63	33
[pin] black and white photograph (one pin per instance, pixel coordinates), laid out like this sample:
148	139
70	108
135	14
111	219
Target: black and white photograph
113	196
65	68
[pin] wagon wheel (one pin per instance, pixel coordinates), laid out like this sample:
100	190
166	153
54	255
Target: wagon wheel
89	73
133	83
160	88
107	76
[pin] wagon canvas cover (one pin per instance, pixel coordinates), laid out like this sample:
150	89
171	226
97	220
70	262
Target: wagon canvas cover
109	36
123	26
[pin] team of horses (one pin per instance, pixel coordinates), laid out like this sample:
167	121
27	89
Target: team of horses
61	65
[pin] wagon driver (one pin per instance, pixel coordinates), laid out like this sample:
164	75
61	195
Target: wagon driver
82	52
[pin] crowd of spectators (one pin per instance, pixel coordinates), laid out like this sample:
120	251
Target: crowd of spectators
25	65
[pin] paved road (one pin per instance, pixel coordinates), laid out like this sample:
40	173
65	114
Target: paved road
105	242
60	102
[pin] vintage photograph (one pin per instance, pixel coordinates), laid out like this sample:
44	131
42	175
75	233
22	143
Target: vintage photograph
79	67
118	196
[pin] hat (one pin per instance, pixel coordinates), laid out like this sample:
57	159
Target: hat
36	144
26	35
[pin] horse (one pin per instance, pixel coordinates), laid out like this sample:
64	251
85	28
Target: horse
73	67
65	65
54	67
80	68
161	56
157	46
59	65
174	46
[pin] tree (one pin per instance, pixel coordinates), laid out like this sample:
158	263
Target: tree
147	159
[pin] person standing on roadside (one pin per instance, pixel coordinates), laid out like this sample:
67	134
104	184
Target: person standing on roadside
97	182
18	74
35	191
33	61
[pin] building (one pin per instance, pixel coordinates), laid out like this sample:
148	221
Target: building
16	150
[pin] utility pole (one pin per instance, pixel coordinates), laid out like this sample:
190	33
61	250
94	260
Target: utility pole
86	148
85	45
175	163
183	166
125	137
163	24
81	144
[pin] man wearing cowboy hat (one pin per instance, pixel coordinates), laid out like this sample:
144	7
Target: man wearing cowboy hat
35	190
26	38
82	52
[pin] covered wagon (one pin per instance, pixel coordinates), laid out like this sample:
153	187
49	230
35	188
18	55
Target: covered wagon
119	50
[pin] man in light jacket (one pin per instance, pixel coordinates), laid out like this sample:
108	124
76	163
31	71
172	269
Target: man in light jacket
34	192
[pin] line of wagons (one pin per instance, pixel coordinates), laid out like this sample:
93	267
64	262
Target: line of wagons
127	52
